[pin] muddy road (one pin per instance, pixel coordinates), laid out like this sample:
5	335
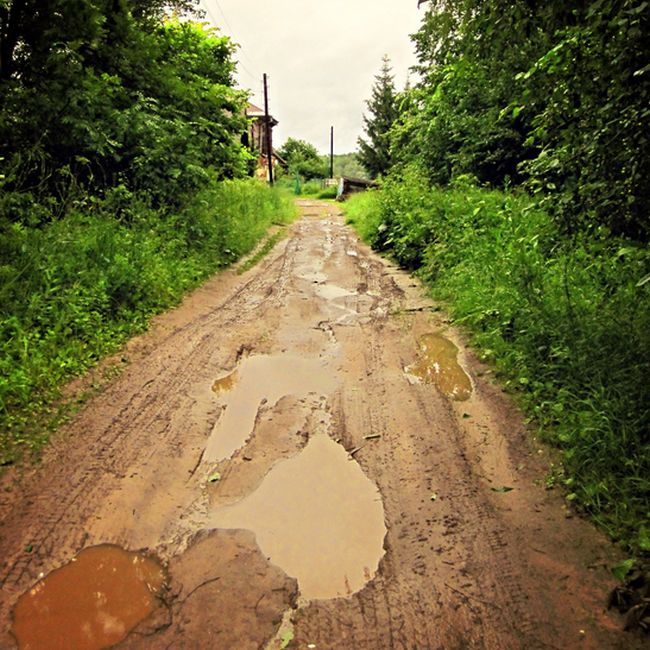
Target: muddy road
317	462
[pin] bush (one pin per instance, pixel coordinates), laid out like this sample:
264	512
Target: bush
328	193
566	322
74	290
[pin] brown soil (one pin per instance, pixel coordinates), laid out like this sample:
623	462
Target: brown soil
464	564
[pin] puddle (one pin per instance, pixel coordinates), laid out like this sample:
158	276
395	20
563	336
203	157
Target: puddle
91	602
316	277
332	292
318	517
438	364
225	384
261	378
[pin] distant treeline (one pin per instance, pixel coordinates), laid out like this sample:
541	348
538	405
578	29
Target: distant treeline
347	164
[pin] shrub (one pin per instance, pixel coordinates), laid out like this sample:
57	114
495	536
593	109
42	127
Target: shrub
74	290
566	322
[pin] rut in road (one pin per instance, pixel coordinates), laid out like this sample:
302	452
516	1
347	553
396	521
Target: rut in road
206	417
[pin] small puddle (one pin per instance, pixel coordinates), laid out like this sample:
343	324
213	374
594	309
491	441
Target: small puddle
332	292
318	517
225	384
94	601
315	277
261	378
438	364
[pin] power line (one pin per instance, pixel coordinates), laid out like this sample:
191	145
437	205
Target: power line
225	20
216	22
233	33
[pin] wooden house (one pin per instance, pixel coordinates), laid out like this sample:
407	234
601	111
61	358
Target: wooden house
256	139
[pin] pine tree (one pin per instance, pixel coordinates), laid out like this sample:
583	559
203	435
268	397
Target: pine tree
374	153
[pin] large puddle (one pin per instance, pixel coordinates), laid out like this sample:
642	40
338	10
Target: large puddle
92	602
438	364
260	378
318	517
332	291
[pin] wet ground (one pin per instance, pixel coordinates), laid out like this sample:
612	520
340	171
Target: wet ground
318	462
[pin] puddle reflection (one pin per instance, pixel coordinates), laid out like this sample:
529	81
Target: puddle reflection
332	291
261	378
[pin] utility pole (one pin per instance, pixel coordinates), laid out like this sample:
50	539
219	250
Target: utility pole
332	152
267	123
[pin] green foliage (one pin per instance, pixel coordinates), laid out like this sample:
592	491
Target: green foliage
118	131
105	94
74	290
553	95
347	164
363	211
328	192
303	159
589	96
566	322
374	153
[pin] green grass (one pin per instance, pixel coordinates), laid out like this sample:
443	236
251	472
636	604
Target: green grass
74	290
263	251
328	193
566	324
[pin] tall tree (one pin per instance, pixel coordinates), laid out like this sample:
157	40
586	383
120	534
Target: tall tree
551	94
374	153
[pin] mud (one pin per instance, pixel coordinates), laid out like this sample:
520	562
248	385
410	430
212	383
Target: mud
90	603
223	594
461	566
316	516
438	364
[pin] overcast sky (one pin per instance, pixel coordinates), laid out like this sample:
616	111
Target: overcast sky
321	57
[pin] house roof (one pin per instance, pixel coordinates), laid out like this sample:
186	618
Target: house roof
256	112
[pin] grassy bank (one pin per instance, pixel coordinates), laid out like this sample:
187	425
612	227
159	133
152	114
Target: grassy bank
74	290
566	324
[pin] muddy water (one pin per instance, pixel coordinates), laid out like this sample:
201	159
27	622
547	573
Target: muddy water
225	384
332	291
260	378
318	517
92	602
438	364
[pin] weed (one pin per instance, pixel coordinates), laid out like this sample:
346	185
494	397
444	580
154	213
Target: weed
565	322
263	251
76	289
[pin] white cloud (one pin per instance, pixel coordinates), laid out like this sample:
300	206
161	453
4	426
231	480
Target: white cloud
321	58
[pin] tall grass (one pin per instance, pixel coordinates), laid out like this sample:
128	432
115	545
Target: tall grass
74	290
565	322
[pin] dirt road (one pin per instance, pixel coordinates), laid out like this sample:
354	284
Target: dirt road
313	406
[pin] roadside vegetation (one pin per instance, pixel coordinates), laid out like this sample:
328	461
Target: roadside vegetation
517	188
347	164
123	184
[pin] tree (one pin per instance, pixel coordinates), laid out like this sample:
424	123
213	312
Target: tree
109	93
374	153
553	95
303	158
